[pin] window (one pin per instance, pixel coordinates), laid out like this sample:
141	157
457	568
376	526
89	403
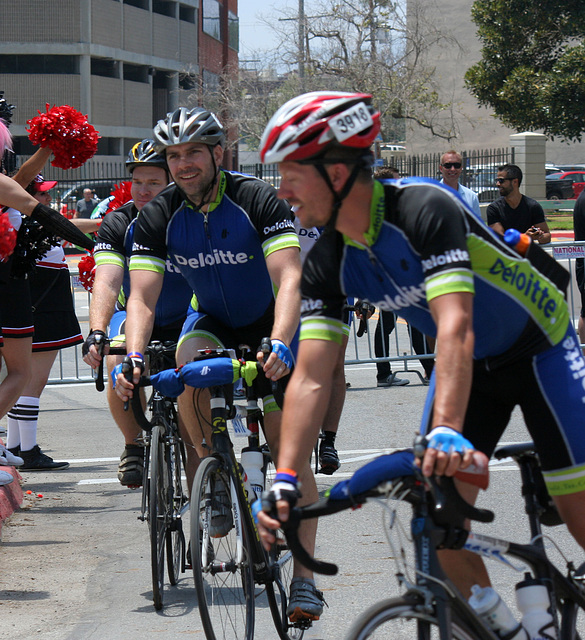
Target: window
105	68
211	18
187	81
233	31
164	7
108	147
39	64
186	14
135	73
210	81
141	4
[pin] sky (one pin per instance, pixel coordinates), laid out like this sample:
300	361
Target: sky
254	35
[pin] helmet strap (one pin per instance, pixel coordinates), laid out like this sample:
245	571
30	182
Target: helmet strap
338	197
212	184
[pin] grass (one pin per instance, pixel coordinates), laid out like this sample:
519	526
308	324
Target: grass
560	221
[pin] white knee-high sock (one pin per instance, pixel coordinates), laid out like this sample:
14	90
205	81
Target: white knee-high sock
26	413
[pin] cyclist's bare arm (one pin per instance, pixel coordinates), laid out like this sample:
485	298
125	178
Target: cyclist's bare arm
284	267
453	315
306	400
145	287
106	287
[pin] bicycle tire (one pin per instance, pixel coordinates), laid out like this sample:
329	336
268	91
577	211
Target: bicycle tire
224	585
175	538
403	619
278	593
158	512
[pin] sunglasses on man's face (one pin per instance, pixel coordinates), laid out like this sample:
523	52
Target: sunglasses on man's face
452	165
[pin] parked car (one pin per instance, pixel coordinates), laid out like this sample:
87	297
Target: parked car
571	167
565	185
481	179
552	168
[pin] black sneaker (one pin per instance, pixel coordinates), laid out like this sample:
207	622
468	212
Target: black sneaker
36	460
328	458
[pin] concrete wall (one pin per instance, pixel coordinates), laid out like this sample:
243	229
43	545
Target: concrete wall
477	126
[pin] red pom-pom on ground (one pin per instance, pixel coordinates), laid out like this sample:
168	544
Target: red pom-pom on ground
86	268
67	133
7	237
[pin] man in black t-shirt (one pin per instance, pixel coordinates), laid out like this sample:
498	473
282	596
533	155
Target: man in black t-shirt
515	211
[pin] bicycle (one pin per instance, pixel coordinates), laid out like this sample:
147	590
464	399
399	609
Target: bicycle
164	502
228	568
431	606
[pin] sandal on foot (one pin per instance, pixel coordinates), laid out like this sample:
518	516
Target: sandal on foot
131	467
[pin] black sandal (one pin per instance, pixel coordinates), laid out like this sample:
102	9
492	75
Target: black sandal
131	467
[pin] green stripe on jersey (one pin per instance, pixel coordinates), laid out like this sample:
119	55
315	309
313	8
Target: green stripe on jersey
283	241
317	328
147	263
519	279
455	281
109	257
565	481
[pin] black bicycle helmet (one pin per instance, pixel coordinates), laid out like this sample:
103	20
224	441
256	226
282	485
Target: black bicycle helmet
144	154
188	125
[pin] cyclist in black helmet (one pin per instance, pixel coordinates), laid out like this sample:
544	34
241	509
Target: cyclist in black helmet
112	287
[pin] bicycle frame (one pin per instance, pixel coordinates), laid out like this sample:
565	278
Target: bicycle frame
222	448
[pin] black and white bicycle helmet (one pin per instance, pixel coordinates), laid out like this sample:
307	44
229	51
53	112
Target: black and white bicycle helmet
188	125
144	154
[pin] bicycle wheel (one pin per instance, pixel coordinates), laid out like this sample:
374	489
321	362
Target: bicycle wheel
175	538
222	565
159	501
403	619
278	593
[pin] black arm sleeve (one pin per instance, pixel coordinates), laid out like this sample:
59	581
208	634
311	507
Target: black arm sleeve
60	226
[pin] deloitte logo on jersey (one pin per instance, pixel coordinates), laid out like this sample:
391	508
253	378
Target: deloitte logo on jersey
407	297
449	257
210	259
284	224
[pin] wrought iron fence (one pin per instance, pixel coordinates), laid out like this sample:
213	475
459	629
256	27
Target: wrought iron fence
479	169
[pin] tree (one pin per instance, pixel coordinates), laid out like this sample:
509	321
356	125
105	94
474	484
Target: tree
371	46
532	71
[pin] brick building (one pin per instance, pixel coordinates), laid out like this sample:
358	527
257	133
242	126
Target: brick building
124	63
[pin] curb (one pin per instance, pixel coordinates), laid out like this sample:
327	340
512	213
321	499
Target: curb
11	496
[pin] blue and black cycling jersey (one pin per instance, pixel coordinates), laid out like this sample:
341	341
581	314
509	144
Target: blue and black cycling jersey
422	243
114	246
222	253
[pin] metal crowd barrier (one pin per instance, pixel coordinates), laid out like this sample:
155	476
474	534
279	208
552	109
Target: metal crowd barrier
70	368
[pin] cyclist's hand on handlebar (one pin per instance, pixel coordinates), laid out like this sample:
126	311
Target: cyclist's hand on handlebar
279	361
446	452
127	375
94	347
276	505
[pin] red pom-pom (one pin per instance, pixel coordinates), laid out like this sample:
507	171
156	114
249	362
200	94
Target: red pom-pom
7	237
67	133
87	272
122	195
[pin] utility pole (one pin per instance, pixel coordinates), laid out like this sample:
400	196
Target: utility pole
302	42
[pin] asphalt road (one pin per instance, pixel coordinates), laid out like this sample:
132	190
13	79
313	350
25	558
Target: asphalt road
75	562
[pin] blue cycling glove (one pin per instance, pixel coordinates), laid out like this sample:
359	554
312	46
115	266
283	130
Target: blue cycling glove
283	352
448	440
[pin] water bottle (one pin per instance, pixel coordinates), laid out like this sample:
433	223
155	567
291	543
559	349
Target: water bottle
495	613
518	241
253	461
533	602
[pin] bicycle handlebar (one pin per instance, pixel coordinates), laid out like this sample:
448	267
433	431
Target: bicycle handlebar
447	508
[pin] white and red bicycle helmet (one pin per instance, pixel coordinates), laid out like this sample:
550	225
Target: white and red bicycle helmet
310	124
